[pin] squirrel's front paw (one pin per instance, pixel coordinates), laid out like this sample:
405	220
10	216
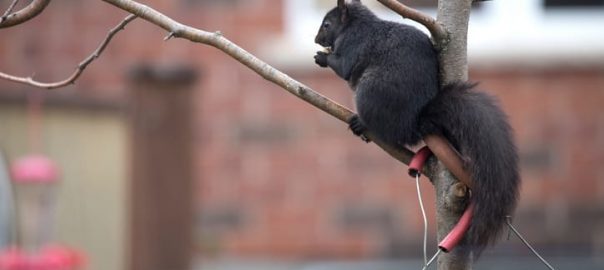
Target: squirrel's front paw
321	58
358	128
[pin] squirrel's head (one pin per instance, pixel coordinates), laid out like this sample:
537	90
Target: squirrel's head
333	23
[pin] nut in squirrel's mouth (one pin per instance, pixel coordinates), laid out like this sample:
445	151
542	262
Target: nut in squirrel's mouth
327	49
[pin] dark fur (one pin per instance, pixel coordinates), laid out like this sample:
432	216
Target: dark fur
366	51
478	129
393	70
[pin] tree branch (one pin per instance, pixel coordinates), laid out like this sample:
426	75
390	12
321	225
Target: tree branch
8	10
27	13
81	67
439	33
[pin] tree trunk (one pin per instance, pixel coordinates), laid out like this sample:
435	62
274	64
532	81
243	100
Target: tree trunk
450	202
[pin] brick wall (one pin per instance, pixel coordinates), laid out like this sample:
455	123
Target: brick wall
276	177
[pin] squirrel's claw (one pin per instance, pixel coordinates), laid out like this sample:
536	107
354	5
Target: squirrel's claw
358	128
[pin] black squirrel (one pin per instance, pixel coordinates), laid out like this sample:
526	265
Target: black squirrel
393	70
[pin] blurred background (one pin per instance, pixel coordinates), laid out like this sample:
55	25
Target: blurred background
174	156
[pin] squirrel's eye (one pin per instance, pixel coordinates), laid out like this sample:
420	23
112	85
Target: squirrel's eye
326	25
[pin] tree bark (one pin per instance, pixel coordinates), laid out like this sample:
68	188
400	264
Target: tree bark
454	15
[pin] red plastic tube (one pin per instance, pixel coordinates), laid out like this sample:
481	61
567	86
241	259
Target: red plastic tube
452	239
418	160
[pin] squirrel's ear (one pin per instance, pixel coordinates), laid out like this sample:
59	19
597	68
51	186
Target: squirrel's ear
343	10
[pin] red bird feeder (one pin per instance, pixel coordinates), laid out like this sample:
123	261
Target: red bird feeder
34	177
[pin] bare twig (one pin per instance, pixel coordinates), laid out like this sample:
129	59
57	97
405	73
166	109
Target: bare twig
169	36
8	10
76	74
27	13
439	33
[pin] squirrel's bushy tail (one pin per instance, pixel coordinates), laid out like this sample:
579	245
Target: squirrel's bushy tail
473	122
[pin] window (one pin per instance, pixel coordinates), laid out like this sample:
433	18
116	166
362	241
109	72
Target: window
573	3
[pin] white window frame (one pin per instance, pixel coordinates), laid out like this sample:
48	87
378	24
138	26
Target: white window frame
501	32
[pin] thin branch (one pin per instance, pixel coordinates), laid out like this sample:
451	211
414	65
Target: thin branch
8	10
439	33
27	13
81	67
169	36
